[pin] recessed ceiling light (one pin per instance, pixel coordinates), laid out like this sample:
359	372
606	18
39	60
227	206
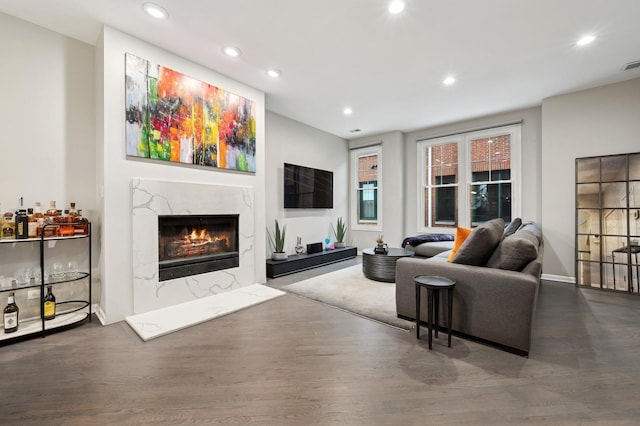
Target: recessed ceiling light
155	11
234	52
354	130
585	40
448	81
396	6
347	111
274	73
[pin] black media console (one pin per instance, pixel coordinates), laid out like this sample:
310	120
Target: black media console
295	263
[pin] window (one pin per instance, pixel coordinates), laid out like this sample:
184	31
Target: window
441	192
365	190
468	178
368	207
491	178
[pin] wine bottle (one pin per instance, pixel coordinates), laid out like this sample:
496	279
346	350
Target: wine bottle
49	305
11	312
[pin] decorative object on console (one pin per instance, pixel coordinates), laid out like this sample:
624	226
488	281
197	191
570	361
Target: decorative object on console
314	248
277	242
299	247
340	231
173	117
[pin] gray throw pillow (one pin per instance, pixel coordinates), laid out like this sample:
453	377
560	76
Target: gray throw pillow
515	252
512	227
533	228
480	244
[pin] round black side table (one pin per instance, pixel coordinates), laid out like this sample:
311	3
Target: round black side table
434	284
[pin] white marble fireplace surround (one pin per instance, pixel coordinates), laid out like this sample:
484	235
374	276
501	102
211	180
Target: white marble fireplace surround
151	198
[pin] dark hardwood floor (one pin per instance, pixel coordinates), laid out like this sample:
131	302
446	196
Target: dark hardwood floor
292	361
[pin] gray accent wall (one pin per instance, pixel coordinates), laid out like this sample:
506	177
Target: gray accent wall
600	121
289	141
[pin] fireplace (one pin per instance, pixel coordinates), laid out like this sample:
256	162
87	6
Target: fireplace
195	244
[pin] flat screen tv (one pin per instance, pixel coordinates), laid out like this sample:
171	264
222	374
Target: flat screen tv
307	188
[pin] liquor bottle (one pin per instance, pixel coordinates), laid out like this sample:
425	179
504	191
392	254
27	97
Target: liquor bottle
33	223
73	213
22	225
51	216
49	305
51	212
11	312
81	227
8	226
39	217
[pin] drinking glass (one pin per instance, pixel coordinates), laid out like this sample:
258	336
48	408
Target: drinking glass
57	271
72	269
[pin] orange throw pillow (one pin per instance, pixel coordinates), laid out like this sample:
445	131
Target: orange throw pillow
461	235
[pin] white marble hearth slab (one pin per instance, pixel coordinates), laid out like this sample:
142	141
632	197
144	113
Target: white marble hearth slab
177	317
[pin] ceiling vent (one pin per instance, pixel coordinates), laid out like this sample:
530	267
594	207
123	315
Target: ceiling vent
631	66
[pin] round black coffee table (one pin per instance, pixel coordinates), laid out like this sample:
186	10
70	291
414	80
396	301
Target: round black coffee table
382	267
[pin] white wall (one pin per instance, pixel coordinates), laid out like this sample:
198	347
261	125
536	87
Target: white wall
47	140
47	117
531	160
116	257
600	121
391	193
293	142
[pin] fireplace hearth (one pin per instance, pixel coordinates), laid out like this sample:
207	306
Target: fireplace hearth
196	244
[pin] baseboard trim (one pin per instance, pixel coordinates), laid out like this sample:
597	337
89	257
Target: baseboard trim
558	278
99	313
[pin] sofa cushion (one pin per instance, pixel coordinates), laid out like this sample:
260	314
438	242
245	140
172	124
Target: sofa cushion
461	236
512	227
533	228
480	244
515	252
432	248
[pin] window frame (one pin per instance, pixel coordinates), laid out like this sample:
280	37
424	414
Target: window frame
356	223
465	178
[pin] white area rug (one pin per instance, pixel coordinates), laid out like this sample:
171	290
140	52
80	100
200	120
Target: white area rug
157	323
349	290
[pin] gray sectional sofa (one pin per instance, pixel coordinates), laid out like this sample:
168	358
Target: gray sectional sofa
497	280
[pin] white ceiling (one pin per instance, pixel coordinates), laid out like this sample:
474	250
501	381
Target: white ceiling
505	54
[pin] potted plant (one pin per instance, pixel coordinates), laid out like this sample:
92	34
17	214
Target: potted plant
277	242
340	231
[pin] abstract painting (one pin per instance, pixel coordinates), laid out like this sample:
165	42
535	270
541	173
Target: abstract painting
173	117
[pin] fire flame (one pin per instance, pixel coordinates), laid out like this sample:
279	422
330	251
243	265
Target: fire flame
200	237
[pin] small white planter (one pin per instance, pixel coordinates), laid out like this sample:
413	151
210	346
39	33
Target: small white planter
340	244
279	256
